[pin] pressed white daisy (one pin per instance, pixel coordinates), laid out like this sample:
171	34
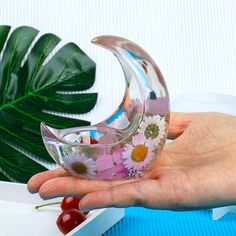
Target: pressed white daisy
79	165
153	127
138	154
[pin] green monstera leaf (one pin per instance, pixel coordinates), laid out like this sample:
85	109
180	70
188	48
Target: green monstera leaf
34	83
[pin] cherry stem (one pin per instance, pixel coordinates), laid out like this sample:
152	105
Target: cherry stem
47	204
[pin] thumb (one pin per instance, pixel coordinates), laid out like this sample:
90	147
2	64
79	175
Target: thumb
179	122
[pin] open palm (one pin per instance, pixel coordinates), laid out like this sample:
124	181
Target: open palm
197	170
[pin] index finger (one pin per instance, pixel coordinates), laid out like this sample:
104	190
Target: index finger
37	180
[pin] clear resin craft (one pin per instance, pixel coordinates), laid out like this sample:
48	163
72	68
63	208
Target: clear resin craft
125	144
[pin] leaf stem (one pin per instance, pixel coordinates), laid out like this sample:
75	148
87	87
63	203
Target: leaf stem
47	204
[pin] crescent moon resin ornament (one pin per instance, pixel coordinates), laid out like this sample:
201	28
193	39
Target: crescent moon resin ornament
125	144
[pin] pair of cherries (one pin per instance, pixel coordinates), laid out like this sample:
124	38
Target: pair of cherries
71	216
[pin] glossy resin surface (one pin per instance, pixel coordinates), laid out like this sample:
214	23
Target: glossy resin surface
126	143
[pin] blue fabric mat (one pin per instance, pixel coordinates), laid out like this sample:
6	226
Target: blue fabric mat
145	222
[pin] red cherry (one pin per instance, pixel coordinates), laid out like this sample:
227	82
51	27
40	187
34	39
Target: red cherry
66	204
70	203
92	141
70	219
82	140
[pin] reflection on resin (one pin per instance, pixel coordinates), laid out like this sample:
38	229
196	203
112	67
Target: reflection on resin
125	144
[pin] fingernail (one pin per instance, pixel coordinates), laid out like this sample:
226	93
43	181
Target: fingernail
84	209
33	191
30	189
47	197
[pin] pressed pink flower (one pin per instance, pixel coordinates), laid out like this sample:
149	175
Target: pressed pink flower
105	174
120	172
110	166
119	168
117	156
104	162
139	153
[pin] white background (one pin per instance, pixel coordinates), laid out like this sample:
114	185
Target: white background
193	42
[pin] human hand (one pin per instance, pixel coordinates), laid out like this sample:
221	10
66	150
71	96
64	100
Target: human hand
197	170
